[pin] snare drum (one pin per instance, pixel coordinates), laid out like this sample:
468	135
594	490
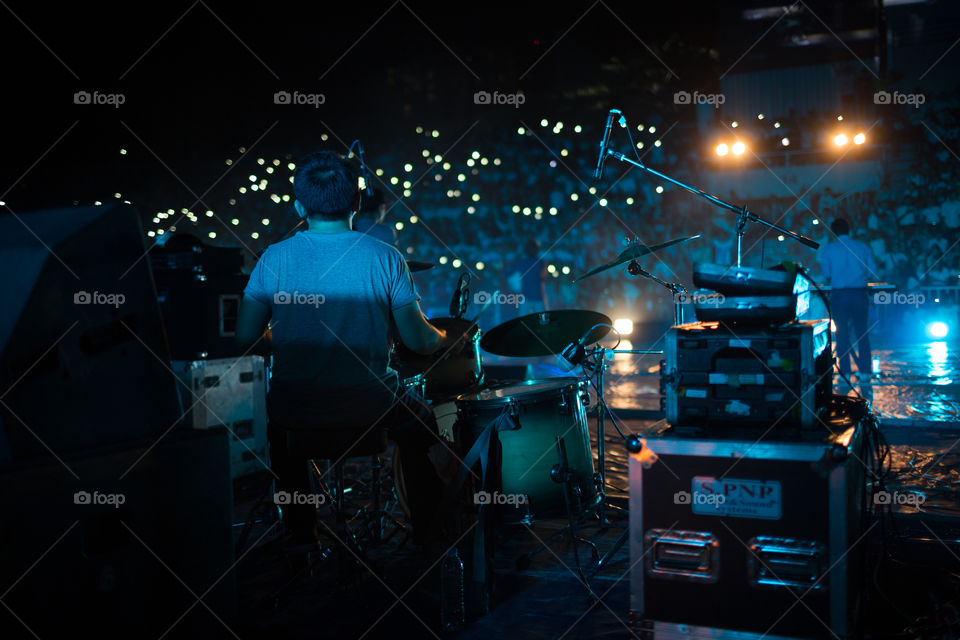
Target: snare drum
545	409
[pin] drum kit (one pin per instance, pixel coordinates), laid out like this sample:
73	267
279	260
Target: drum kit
541	463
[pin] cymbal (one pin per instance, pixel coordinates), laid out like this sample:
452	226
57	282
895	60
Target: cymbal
633	251
543	334
419	265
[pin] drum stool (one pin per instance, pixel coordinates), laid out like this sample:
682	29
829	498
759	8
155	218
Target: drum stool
336	444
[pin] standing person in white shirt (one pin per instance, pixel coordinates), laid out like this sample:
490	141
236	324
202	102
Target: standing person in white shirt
848	265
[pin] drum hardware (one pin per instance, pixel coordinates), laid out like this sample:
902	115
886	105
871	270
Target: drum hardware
634	250
561	473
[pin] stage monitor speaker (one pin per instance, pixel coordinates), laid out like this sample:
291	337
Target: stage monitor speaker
83	356
120	543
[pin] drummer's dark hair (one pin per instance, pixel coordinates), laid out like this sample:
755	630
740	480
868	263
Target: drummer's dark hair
326	185
840	226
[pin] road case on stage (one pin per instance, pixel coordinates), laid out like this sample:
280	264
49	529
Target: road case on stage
763	376
735	536
232	393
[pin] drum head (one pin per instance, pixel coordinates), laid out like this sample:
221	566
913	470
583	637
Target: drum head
528	389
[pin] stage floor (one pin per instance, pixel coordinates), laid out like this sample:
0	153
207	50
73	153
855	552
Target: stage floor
916	396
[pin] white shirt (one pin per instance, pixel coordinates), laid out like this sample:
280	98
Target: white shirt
847	263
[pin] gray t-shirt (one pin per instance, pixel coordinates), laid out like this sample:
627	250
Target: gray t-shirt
332	297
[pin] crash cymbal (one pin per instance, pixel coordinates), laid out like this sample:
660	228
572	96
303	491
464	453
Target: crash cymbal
633	251
543	334
419	265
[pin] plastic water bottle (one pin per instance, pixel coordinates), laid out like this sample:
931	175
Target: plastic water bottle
451	591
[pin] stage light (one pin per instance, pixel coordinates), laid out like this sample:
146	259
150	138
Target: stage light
574	197
235	222
292	166
483	161
603	202
442	260
738	148
640	145
496	161
254	235
260	161
656	143
722	149
938	330
544	122
212	234
840	139
209	213
456	263
470	162
438	158
435	134
859	138
419	129
839	117
659	189
476	197
564	152
399	226
623	326
815	221
446	166
565	270
526	211
592	190
538	209
785	141
480	266
551	268
243	189
577	129
516	208
269	169
151	234
252	178
408	167
776	125
471	210
229	162
759	116
521	130
734	124
630	200
652	129
553	211
414	219
265	221
406	184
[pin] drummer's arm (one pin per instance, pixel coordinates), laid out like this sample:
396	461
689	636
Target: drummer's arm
416	331
252	321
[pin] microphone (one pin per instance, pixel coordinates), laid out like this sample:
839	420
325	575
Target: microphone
363	170
575	352
605	143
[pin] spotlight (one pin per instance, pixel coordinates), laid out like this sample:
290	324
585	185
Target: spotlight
938	330
623	326
785	142
840	139
722	149
859	138
738	148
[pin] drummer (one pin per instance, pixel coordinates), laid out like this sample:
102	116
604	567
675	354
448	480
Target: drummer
328	294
